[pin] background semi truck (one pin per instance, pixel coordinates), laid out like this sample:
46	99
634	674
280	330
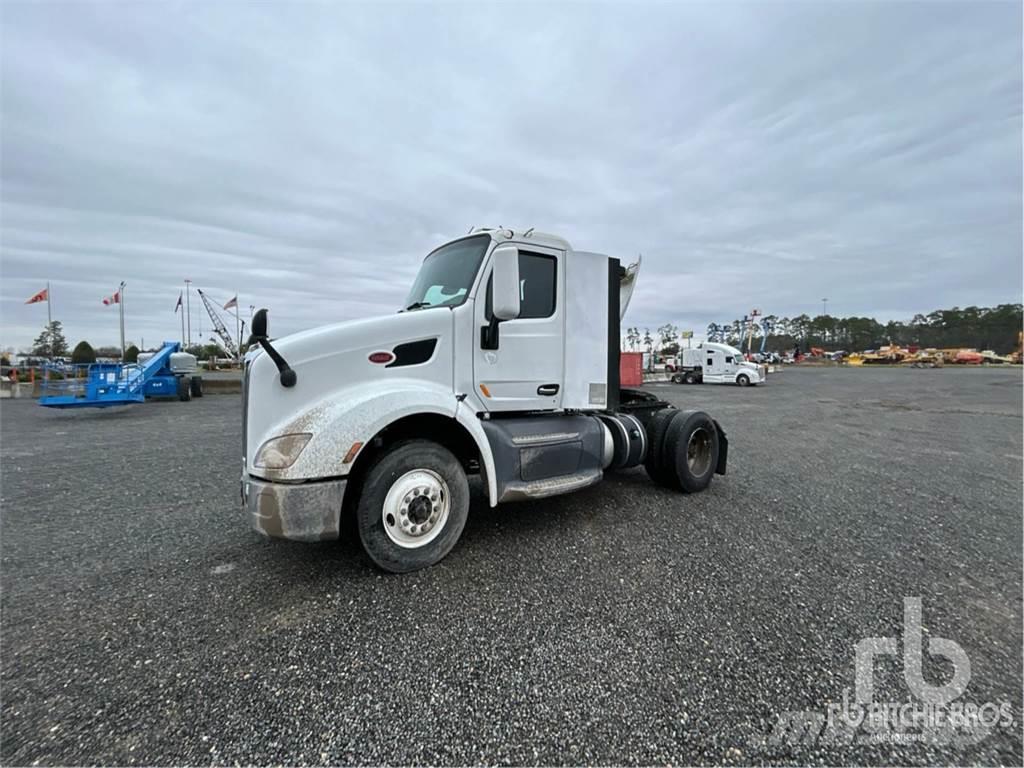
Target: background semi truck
504	363
713	363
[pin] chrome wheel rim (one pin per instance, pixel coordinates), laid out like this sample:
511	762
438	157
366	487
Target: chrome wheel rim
698	451
416	508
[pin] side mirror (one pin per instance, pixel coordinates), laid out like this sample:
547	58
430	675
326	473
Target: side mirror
505	276
259	325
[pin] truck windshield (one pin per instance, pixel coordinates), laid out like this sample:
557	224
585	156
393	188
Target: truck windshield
447	274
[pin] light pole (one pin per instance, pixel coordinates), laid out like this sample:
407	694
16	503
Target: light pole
824	314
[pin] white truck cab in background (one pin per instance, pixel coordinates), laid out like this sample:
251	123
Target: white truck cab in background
713	363
503	363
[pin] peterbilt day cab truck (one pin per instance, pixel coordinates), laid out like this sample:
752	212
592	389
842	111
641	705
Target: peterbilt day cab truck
504	363
713	363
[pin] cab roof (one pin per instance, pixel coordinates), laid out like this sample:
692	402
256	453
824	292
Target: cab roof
507	235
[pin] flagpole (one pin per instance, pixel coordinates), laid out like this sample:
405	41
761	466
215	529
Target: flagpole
238	328
120	305
49	313
182	320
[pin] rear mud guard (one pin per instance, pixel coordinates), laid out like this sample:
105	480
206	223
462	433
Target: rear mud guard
723	449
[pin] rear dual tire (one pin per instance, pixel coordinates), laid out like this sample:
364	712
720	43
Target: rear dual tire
684	450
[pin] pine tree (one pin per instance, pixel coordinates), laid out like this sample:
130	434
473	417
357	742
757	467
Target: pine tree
51	342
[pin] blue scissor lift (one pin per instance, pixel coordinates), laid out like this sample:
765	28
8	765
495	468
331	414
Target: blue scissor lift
101	385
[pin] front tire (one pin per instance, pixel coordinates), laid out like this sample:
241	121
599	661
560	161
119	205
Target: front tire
196	386
412	506
184	392
743	380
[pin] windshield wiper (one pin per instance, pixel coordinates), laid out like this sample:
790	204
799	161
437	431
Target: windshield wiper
418	305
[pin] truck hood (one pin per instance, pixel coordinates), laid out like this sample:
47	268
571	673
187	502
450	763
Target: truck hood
379	333
334	358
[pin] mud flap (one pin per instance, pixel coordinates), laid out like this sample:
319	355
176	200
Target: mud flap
723	449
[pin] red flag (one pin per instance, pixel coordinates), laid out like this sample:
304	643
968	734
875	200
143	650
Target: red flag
178	305
232	303
115	299
43	295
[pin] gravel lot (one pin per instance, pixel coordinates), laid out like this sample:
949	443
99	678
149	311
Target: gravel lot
142	622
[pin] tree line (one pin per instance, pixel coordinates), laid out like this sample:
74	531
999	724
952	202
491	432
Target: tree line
996	328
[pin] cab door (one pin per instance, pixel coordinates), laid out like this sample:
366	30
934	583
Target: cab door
713	365
730	366
522	368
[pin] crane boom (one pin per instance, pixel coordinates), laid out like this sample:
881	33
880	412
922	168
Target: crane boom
219	327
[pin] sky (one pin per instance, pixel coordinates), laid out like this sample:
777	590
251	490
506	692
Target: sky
306	156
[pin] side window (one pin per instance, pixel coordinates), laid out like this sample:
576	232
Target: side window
711	361
728	358
538	286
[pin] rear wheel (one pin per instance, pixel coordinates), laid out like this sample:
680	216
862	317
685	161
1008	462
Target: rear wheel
691	450
184	392
677	379
690	378
196	386
743	380
657	427
412	506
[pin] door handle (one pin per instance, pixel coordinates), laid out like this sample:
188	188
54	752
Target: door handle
489	335
546	390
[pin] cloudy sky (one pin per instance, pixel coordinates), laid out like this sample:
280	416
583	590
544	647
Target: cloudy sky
307	155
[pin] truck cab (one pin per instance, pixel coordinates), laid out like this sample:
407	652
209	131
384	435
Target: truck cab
713	363
503	362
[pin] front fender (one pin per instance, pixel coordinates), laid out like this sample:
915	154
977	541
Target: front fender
357	414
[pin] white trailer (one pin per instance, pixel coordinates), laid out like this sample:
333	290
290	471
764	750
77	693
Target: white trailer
503	363
714	363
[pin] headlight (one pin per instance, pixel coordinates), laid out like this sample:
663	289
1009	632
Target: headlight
281	452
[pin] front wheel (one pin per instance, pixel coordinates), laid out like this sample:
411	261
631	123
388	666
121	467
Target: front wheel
743	380
412	506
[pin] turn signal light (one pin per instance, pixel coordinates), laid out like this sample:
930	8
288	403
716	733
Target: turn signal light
350	456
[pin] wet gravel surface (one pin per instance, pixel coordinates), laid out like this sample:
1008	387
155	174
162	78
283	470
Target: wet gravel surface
142	622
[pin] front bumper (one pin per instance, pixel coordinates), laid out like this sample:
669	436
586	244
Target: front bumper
302	512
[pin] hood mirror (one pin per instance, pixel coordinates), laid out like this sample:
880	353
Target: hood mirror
259	325
259	335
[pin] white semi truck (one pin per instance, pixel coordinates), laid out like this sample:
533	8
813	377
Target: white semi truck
713	363
504	363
